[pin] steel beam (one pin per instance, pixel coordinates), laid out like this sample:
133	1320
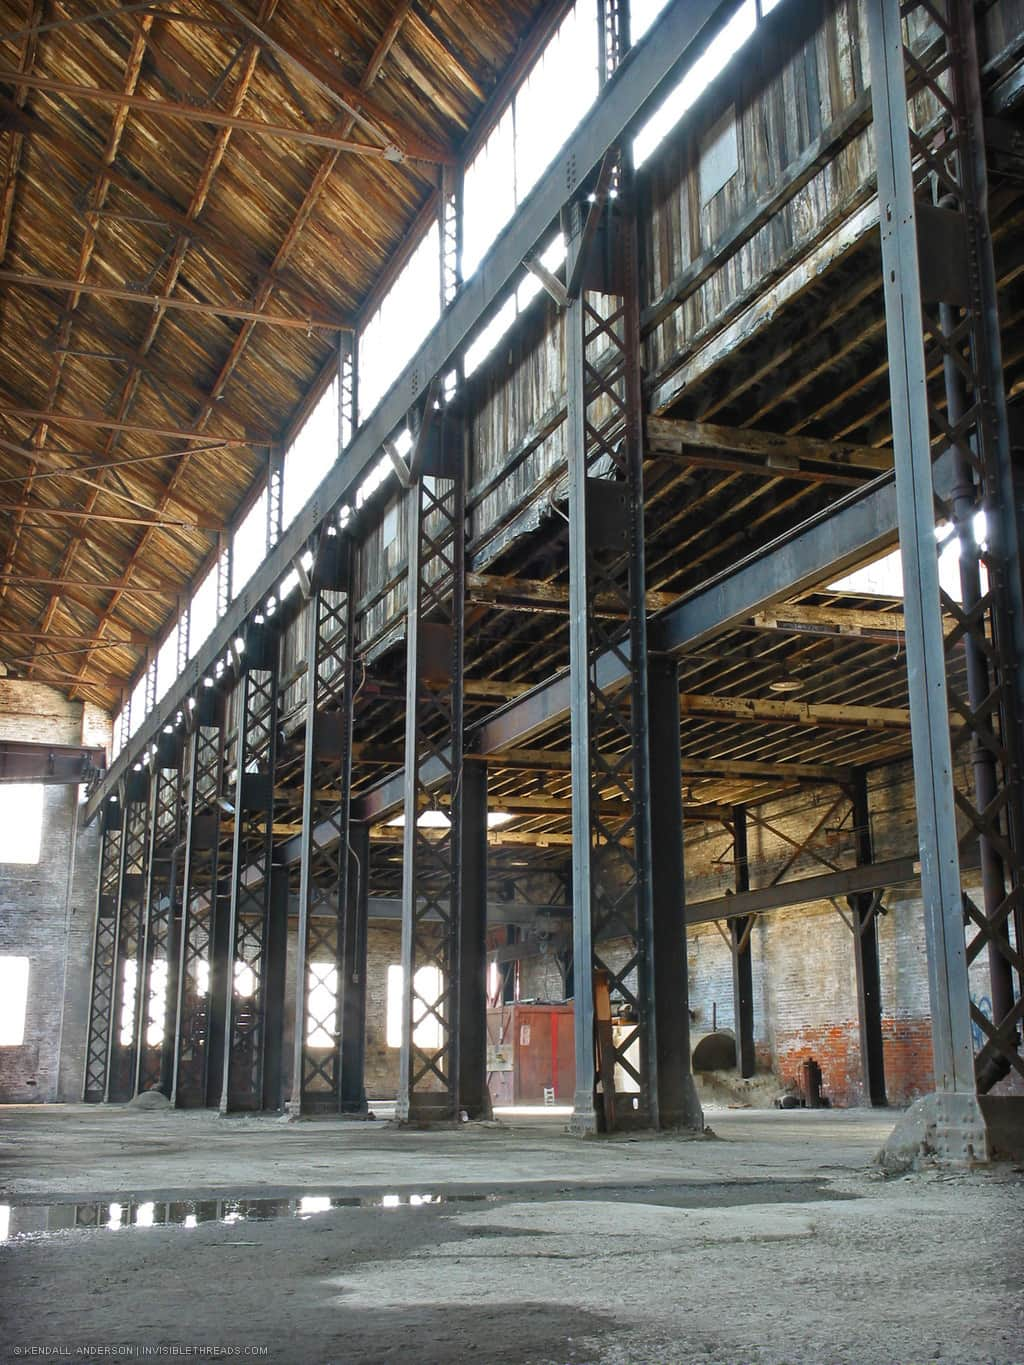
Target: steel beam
864	912
250	938
324	881
51	764
683	28
740	930
104	953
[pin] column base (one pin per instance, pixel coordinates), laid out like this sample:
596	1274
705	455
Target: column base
584	1121
426	1108
687	1115
945	1128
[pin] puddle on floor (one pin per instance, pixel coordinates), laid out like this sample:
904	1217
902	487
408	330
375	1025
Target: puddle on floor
35	1220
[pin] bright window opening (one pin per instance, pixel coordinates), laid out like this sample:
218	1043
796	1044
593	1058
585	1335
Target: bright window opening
137	705
167	663
322	1005
719	155
407	312
21	822
428	987
202	977
157	1003
487	340
561	87
202	613
13	1000
249	545
129	976
311	454
884	577
710	64
245	980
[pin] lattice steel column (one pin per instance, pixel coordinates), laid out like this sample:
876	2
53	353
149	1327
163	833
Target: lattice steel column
450	214
131	903
275	495
432	871
942	316
199	1030
255	755
155	1040
348	396
324	883
610	758
104	954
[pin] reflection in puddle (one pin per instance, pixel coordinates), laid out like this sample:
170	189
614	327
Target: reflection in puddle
34	1220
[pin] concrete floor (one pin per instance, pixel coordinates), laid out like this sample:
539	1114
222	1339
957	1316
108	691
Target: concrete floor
777	1241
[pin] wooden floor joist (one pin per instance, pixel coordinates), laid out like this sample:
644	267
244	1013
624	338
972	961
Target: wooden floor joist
798	712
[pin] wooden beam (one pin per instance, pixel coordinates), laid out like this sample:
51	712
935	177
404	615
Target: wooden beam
775	453
849	620
17	279
737	767
541	759
97	419
132	590
799	712
531	594
135	638
78	514
214	118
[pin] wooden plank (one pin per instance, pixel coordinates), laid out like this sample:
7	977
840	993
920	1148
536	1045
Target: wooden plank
778	451
798	712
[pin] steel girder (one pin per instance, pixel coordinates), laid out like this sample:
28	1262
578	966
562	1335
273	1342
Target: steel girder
131	905
941	314
255	956
328	882
199	1026
432	871
740	930
864	911
104	954
158	958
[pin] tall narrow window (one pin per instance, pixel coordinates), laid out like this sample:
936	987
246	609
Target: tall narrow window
13	1000
21	822
249	546
426	1027
322	1005
407	312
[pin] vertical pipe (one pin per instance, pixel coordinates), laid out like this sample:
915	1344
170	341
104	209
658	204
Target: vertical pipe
865	951
678	1105
474	1097
740	932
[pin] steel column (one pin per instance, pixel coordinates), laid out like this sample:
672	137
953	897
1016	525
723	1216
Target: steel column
154	1040
275	496
941	313
104	954
678	1104
199	1027
252	848
474	1096
740	931
864	910
323	876
612	895
432	871
127	994
353	975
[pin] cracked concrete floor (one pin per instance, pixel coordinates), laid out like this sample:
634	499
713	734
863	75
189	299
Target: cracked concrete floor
776	1242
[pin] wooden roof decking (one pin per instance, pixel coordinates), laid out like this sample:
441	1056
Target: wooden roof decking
219	261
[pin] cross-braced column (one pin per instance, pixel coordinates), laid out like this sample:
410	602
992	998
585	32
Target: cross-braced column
104	954
942	317
324	881
199	1027
155	1040
432	872
249	993
348	396
130	927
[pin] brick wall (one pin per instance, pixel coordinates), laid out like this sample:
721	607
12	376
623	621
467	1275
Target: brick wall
47	910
